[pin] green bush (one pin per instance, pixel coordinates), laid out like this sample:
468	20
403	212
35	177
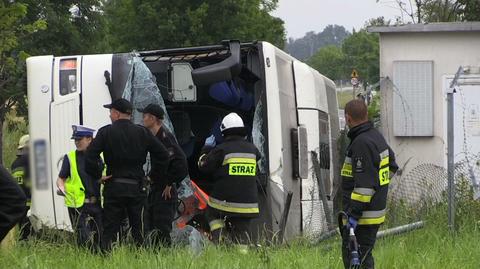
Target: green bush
13	128
374	110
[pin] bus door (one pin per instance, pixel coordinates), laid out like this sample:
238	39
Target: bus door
64	112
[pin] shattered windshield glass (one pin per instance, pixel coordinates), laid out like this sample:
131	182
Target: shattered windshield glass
257	136
141	89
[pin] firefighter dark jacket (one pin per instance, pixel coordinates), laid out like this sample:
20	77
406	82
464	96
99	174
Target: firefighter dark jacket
233	168
366	172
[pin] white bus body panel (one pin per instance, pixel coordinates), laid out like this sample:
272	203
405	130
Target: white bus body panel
95	93
39	90
52	115
306	211
274	140
311	98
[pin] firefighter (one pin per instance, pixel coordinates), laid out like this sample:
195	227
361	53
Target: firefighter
162	199
81	191
366	173
12	203
21	173
232	165
125	146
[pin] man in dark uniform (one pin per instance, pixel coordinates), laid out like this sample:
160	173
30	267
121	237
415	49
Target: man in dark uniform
12	203
366	173
125	146
162	200
81	191
21	173
232	165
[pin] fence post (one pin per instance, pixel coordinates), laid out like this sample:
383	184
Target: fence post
450	150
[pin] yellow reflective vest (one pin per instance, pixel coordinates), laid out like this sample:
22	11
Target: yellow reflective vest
74	189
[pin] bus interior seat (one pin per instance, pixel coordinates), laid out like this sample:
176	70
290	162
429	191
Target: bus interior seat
232	94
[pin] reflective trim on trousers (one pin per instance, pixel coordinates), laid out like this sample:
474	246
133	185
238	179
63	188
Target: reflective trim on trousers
372	217
243	208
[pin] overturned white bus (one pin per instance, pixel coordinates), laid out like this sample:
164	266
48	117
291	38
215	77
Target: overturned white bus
289	107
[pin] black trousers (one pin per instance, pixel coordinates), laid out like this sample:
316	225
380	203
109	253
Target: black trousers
12	203
366	236
114	208
160	215
87	224
232	229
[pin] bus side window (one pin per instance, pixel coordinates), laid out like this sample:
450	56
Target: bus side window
324	151
68	76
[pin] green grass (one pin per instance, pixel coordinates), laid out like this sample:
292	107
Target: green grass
431	247
343	97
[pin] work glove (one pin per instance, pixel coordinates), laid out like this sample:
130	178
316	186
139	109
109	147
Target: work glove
352	223
210	141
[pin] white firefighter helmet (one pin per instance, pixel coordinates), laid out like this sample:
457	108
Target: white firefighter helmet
23	142
231	121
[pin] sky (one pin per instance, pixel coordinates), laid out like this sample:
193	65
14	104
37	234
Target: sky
301	16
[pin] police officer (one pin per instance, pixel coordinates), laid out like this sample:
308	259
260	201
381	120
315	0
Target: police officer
21	173
366	173
12	203
81	191
125	146
162	200
232	165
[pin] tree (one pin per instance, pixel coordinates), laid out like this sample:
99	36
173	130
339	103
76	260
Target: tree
423	11
154	24
74	27
12	58
361	51
470	10
440	11
330	61
379	21
305	47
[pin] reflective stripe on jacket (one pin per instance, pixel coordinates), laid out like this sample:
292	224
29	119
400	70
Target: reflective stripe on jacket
366	172
232	166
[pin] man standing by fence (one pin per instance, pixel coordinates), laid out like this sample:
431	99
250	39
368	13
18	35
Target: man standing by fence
366	175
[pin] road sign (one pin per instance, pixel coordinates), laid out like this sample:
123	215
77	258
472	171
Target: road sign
354	81
354	74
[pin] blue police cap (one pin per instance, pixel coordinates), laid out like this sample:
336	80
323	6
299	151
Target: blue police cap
80	131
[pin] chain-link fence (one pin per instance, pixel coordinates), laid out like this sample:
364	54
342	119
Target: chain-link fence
414	194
